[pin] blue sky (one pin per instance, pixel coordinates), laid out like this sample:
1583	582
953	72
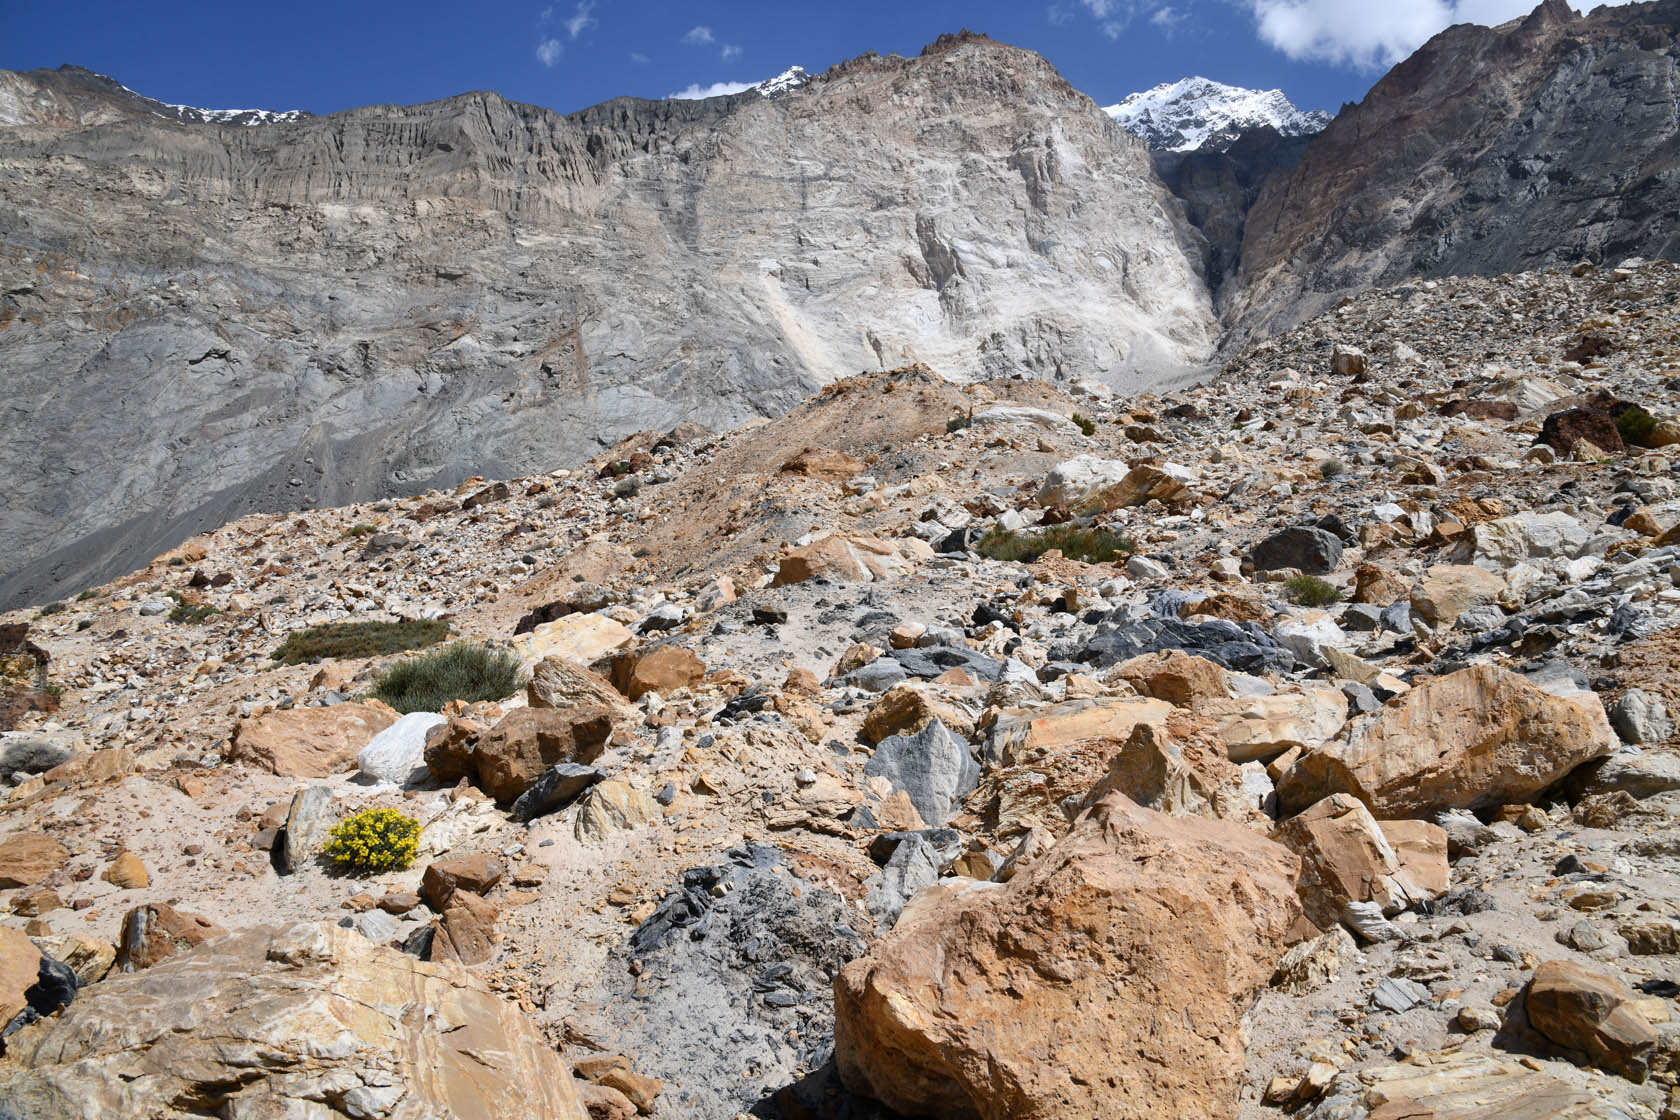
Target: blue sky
568	54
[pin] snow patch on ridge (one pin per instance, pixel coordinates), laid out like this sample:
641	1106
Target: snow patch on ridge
1192	113
785	82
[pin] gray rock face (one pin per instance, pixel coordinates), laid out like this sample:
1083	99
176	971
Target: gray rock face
1490	150
933	767
383	300
732	1000
914	864
307	824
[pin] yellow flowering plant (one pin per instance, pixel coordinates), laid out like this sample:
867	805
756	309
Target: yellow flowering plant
374	840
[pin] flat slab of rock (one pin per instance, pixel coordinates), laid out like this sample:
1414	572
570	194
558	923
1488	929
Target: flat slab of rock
259	1019
308	742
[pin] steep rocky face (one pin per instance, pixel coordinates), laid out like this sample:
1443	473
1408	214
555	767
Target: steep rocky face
1219	183
199	320
1490	150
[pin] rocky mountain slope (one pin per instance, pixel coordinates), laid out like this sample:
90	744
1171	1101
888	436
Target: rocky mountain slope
1490	150
393	298
1198	113
1301	743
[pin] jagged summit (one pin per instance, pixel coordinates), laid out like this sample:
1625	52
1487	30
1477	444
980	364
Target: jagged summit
80	82
1193	113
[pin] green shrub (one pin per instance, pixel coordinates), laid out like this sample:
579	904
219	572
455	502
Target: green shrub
1077	542
1089	427
52	608
1635	426
960	421
363	530
374	840
1310	591
359	639
1330	468
90	593
193	614
463	671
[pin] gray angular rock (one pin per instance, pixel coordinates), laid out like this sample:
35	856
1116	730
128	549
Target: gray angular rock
1640	717
914	864
307	823
1307	547
933	767
557	787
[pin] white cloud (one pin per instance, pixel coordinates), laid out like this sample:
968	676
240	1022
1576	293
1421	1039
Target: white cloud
698	36
639	58
548	52
581	18
717	89
1370	35
547	14
731	52
1059	15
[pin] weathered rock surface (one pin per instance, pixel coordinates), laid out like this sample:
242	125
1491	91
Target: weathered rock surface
584	219
1142	1019
262	1022
308	742
1479	737
1478	164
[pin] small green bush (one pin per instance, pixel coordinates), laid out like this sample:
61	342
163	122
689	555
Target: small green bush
363	530
1310	591
1635	426
374	840
359	639
1077	542
463	671
1089	427
960	421
192	614
52	608
1330	468
627	487
90	593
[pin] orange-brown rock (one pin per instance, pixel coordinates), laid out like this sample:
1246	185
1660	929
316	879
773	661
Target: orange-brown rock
1480	737
1178	768
157	931
823	463
1175	676
509	757
847	558
1347	857
94	766
1584	1009
563	685
20	967
308	742
475	873
663	669
28	857
1108	978
905	709
1372	584
127	872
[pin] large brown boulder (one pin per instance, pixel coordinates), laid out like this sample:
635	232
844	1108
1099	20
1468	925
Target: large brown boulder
1175	676
565	685
260	1021
308	742
508	758
26	858
1479	737
1108	978
663	669
1346	856
1583	1009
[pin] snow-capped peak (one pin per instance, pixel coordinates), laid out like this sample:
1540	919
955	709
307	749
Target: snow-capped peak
194	115
1192	113
785	82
